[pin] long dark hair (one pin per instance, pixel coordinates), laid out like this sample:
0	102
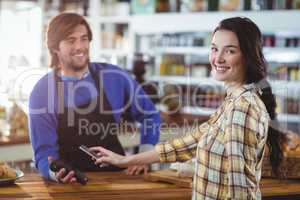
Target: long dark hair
250	41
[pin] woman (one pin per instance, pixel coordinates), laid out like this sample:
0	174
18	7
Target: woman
229	147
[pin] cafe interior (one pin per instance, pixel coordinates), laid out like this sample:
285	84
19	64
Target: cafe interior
163	45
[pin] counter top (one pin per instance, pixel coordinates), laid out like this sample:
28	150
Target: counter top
117	185
101	185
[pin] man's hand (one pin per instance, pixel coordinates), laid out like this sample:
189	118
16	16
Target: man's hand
137	169
61	176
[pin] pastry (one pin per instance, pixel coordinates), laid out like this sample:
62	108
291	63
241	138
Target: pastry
290	143
6	172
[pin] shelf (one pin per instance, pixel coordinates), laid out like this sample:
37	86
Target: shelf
16	152
280	86
282	117
272	54
291	118
202	51
207	21
111	52
156	23
114	19
282	55
185	80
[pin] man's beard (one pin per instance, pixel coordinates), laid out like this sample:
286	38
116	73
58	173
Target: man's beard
75	67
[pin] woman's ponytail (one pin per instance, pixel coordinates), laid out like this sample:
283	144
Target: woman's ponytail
274	135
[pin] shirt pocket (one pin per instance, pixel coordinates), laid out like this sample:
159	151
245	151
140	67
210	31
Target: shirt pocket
217	146
211	149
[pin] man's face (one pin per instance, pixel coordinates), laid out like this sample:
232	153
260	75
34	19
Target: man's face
73	51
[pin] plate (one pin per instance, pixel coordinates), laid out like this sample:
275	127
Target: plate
9	181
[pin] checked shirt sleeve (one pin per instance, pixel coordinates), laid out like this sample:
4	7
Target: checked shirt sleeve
182	148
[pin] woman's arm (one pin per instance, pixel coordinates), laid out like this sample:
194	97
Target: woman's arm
178	149
109	157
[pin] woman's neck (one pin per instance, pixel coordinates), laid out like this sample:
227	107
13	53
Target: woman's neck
233	86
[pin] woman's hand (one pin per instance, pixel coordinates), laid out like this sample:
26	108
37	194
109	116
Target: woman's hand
137	169
141	159
109	157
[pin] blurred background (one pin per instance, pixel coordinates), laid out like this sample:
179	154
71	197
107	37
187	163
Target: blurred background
163	43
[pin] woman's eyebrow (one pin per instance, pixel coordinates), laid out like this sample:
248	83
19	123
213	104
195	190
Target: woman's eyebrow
227	46
231	46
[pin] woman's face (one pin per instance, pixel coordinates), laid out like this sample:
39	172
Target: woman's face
226	58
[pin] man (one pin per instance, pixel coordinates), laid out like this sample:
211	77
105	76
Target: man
80	102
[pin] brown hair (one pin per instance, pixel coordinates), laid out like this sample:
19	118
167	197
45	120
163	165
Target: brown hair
250	39
59	28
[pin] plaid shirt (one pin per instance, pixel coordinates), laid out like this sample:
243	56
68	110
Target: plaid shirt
229	148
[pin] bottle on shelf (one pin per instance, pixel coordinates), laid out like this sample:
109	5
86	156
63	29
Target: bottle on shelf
172	98
269	40
288	103
140	65
193	6
162	6
230	5
200	97
296	4
281	39
172	65
206	96
247	5
114	36
167	6
108	7
143	6
212	5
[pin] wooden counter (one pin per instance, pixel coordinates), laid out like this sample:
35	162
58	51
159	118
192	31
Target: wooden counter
116	186
271	188
108	186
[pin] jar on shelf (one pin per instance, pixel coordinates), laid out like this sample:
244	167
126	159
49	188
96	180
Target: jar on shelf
162	6
4	107
18	121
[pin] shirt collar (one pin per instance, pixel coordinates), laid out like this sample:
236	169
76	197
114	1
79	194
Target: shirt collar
235	92
73	78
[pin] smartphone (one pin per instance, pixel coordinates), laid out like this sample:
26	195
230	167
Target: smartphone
87	151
